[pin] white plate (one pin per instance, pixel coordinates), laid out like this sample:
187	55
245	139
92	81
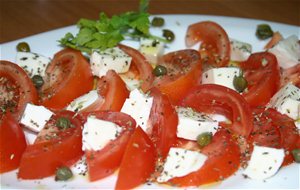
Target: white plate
240	29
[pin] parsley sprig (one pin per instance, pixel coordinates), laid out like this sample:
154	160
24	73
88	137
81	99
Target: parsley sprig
108	32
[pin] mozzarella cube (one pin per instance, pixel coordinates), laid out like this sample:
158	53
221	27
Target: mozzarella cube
222	76
32	63
84	101
240	51
139	107
191	124
287	101
151	49
35	117
110	59
97	133
181	162
264	162
287	52
131	81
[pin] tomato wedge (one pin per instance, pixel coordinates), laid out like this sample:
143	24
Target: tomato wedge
291	75
138	162
53	148
184	71
163	122
202	96
215	44
262	73
113	92
223	160
68	76
12	143
16	90
142	65
104	162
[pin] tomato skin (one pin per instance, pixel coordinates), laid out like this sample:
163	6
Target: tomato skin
214	42
202	96
163	122
68	77
42	158
184	71
223	160
142	65
24	91
263	81
104	162
138	162
12	143
291	75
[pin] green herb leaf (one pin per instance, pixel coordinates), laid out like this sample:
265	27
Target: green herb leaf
108	32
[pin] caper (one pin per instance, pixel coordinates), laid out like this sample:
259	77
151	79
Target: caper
158	21
63	174
240	83
23	46
159	70
264	31
296	155
37	80
63	123
169	35
204	139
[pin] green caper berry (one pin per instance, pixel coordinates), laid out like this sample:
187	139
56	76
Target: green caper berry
63	174
23	47
63	123
169	35
296	155
263	31
204	139
159	70
158	21
240	83
37	80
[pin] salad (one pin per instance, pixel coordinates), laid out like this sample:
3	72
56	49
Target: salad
184	118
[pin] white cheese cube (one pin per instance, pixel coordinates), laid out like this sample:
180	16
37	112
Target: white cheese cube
151	49
191	124
35	117
139	107
110	59
181	162
131	81
222	76
264	162
287	52
84	101
240	51
32	63
97	133
287	101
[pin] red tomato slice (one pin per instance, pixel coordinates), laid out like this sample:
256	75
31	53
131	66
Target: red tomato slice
12	143
263	76
291	75
142	65
288	133
138	162
215	44
104	162
202	96
68	77
53	148
184	71
113	92
163	122
16	90
223	160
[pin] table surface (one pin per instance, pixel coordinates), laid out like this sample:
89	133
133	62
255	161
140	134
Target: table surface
21	18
